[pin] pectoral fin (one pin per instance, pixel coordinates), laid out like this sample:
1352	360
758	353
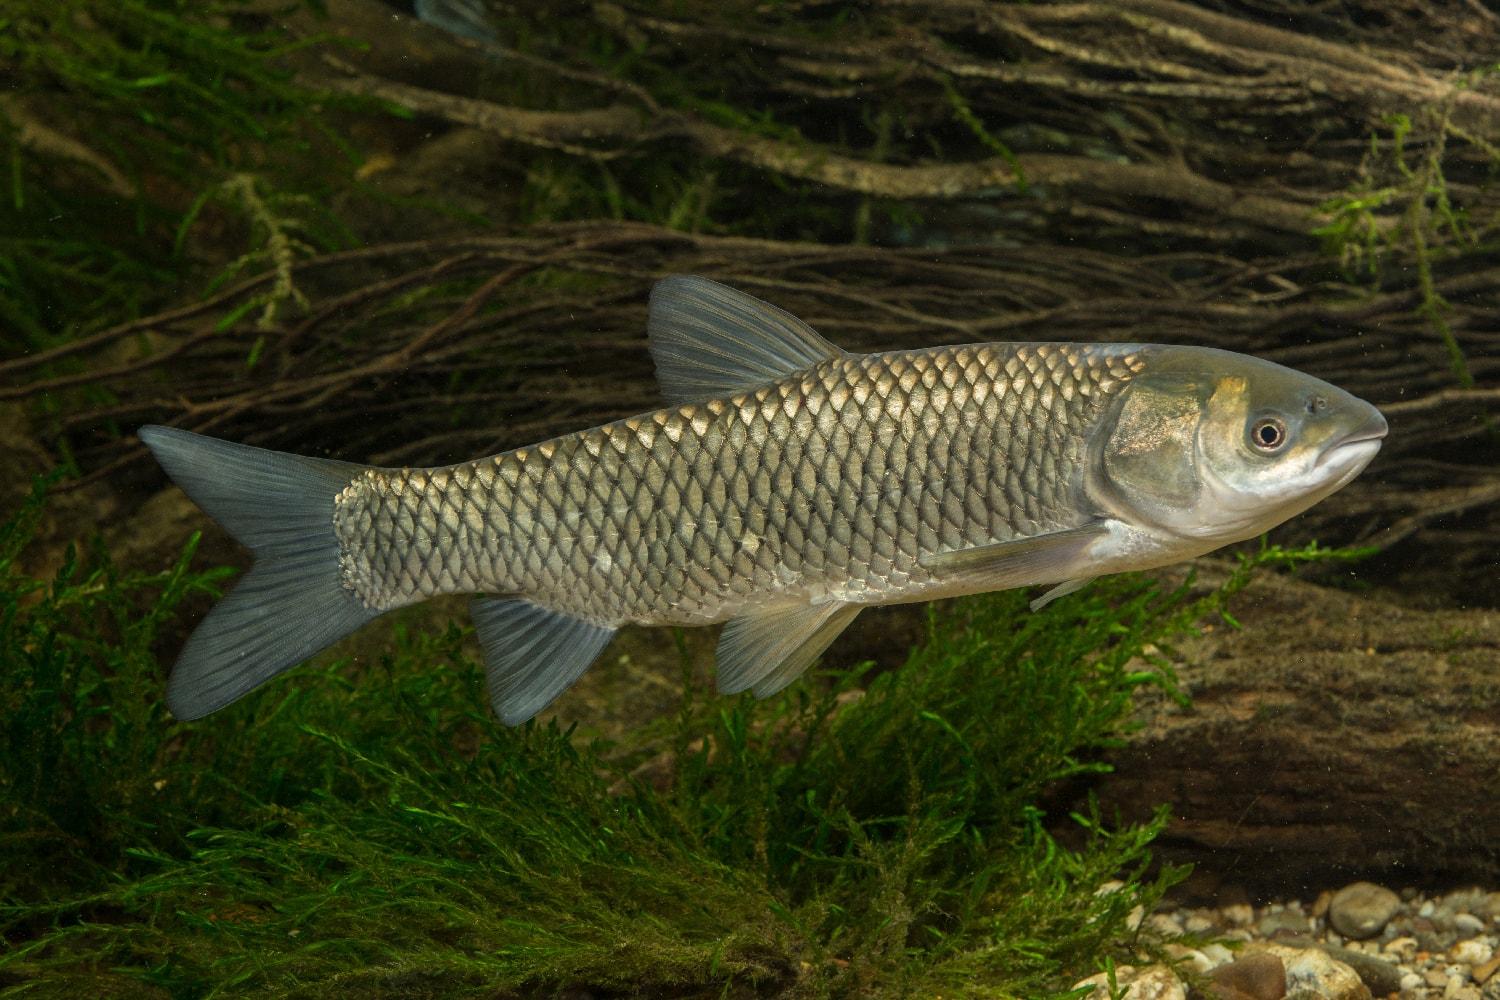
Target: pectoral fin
765	652
532	654
1061	590
1019	562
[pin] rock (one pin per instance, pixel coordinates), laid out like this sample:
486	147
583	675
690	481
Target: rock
1403	948
1458	990
1191	958
1474	951
1485	970
1217	954
1257	976
1362	910
1284	923
1314	973
1379	976
1154	982
1164	924
1198	924
1467	925
1411	982
1239	914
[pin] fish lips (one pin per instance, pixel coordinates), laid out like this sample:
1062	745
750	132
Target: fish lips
1359	445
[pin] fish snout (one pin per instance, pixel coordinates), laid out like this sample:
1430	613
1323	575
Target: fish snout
1365	436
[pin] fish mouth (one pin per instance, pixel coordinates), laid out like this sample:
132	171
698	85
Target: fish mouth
1370	433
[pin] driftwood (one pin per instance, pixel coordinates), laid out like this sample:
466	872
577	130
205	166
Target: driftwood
510	352
1335	737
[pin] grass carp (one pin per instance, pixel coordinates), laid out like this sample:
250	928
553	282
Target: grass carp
786	485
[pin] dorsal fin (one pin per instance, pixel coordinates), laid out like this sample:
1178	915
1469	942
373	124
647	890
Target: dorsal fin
710	340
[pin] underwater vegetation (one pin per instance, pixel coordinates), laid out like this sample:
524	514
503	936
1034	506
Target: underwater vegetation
371	830
195	228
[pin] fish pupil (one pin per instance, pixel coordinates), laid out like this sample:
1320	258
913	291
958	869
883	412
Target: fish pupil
1268	434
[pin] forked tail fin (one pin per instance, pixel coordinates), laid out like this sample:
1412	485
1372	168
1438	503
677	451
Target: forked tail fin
292	603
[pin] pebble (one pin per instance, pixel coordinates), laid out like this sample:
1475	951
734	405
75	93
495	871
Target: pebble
1154	982
1257	976
1468	925
1362	910
1473	951
1379	976
1428	947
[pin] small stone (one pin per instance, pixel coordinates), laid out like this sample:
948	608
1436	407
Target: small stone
1362	910
1239	914
1484	970
1458	990
1411	982
1190	957
1474	951
1379	976
1404	948
1467	924
1257	976
1164	924
1315	973
1320	905
1217	954
1198	924
1492	904
1427	910
1435	978
1158	983
1154	982
1284	923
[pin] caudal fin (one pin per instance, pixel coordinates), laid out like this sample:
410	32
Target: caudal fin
292	603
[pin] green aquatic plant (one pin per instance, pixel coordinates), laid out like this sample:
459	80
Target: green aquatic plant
1401	202
378	833
117	115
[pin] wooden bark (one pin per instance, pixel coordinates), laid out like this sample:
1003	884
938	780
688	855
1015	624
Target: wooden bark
1335	736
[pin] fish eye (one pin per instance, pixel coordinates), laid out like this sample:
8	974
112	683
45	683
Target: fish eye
1268	435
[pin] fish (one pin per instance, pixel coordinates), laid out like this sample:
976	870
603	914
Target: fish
786	485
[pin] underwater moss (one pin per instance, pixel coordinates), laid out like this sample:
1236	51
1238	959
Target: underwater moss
121	118
381	834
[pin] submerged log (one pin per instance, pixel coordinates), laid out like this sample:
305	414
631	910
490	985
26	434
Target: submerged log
1334	736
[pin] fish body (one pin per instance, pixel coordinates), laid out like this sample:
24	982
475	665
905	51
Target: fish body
787	485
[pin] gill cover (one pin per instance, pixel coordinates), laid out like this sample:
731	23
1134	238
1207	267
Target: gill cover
1153	454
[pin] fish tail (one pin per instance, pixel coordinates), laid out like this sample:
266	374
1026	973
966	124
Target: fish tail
293	602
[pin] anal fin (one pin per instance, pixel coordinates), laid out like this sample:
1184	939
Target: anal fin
764	652
532	654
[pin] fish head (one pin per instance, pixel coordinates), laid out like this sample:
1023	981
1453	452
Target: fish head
1218	446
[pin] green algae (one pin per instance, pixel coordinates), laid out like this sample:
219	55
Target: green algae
376	833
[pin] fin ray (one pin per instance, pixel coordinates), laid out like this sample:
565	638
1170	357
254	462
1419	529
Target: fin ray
1021	562
710	340
1061	590
532	654
293	602
765	652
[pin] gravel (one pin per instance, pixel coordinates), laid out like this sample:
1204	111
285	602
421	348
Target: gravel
1358	941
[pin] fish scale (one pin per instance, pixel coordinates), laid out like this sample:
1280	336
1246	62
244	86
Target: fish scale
832	484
